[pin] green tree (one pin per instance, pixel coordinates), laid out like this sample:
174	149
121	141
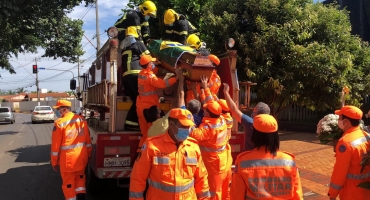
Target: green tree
296	51
50	91
20	90
26	26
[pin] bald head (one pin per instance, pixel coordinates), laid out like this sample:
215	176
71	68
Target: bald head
194	106
260	108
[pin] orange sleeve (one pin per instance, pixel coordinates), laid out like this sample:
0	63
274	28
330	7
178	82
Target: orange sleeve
140	173
206	96
88	138
200	133
201	180
298	193
160	83
237	190
341	166
56	142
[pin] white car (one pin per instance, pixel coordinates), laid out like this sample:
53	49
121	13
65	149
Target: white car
42	114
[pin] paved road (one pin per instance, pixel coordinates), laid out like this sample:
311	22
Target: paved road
25	172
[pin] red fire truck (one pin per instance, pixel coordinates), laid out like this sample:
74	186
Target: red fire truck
114	149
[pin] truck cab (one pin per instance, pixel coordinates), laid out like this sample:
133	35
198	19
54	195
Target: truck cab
114	149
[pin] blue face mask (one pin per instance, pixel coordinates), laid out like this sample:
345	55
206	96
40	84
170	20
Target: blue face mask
147	17
57	113
182	134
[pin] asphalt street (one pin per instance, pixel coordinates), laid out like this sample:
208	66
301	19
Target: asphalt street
25	171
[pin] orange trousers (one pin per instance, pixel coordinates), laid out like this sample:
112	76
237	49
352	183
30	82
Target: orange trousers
219	185
73	183
144	126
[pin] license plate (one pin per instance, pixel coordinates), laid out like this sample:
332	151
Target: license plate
117	162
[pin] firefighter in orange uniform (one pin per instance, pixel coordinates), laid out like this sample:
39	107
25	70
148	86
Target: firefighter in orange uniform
148	84
265	172
351	149
213	141
171	163
70	149
226	115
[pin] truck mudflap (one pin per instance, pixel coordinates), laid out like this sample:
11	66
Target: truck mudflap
122	172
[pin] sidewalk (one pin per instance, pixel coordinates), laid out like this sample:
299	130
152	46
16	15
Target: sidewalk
315	162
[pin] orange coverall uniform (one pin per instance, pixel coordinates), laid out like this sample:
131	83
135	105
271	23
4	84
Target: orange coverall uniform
261	175
173	173
213	142
148	84
214	83
190	93
70	149
350	151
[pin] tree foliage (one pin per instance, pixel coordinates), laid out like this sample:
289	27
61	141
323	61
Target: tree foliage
296	51
26	25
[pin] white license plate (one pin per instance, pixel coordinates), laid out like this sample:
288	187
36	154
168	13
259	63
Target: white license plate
117	162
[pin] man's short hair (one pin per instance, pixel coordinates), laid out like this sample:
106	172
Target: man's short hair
194	106
262	108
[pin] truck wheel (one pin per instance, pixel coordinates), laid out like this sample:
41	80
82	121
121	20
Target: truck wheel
93	183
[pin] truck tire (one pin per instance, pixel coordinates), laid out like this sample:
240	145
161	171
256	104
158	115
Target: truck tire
93	183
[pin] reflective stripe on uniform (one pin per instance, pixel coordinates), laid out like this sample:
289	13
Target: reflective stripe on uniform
146	35
137	195
147	93
167	83
170	188
131	72
73	198
181	33
79	189
88	145
161	160
142	77
218	125
131	123
203	194
72	146
145	24
208	149
63	124
229	121
335	186
191	161
360	141
358	176
267	163
169	31
54	153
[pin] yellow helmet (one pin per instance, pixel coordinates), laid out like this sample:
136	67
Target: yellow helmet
193	40
170	16
131	30
148	8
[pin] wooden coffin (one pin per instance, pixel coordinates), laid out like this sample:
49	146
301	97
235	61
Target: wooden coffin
174	54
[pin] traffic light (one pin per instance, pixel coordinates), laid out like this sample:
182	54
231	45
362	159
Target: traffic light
34	69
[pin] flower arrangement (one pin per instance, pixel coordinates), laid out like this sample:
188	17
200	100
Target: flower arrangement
328	130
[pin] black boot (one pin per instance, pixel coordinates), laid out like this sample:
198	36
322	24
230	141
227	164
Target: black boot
80	196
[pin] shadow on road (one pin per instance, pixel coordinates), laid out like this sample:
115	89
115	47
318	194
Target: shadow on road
8	132
32	154
41	182
31	183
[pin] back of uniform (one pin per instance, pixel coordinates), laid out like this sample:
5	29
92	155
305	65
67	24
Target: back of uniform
261	175
136	19
179	31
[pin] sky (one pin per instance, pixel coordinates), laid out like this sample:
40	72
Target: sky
58	81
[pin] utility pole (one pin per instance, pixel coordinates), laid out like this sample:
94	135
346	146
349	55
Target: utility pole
97	27
37	84
78	74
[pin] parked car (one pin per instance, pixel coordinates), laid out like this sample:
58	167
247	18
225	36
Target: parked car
6	115
42	114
